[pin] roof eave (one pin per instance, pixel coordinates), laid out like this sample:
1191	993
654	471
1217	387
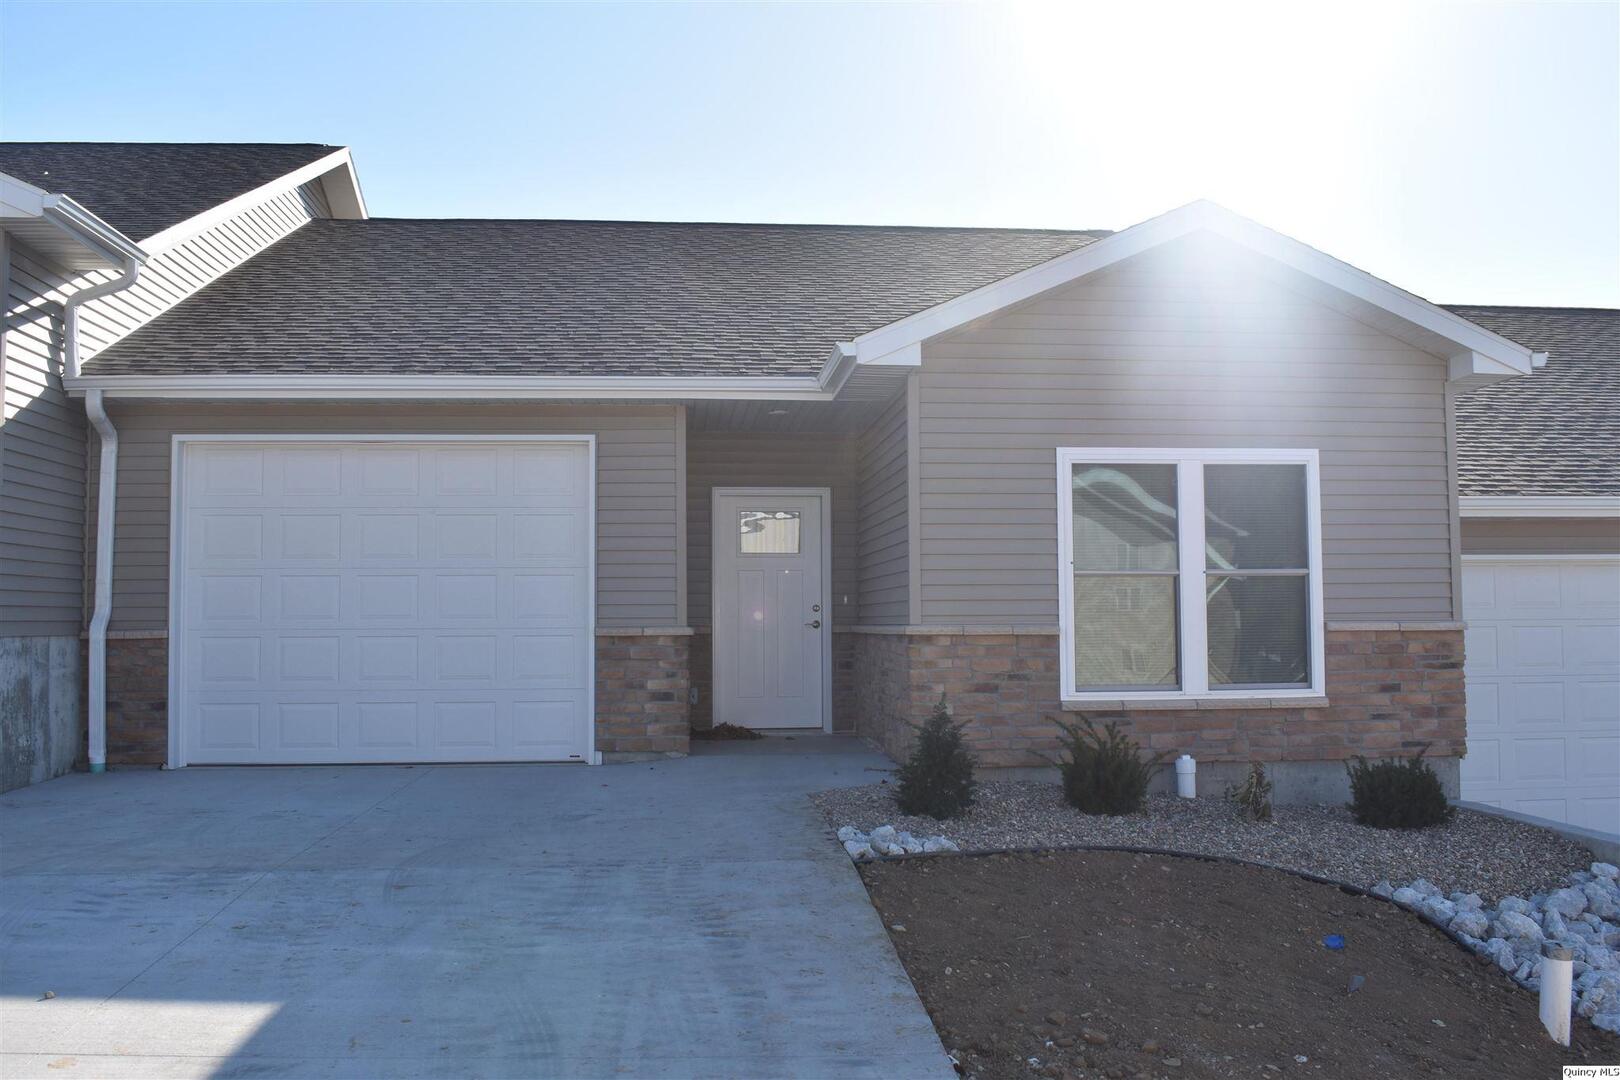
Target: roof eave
452	387
334	171
63	230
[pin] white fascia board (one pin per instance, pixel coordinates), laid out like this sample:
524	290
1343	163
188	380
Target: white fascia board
838	368
449	387
20	200
1482	352
1539	506
320	167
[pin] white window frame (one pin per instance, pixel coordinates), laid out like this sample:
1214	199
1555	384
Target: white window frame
1191	614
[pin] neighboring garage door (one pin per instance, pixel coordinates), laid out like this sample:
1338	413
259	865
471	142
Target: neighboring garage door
1543	666
383	601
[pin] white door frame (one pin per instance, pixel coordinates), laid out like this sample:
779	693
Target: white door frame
177	752
718	531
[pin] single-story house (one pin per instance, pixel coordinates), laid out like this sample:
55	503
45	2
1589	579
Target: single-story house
285	483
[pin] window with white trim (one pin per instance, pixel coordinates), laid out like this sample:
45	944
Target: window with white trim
1189	573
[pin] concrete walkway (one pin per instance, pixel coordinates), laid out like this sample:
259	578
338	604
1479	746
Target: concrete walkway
685	918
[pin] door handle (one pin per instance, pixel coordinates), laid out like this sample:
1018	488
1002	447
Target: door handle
814	624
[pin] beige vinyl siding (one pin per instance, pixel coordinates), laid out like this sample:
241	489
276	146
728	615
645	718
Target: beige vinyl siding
883	566
635	492
1540	536
42	437
1186	346
41	460
749	459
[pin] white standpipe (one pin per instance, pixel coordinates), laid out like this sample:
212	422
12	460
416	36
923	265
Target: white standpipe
1557	971
1186	777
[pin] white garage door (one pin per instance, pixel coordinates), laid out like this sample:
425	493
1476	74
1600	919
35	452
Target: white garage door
1543	666
376	601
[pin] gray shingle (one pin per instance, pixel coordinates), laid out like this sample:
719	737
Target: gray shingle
390	296
140	189
1557	430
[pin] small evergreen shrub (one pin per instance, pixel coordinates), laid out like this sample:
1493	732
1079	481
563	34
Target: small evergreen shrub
1253	796
1400	794
1103	769
937	780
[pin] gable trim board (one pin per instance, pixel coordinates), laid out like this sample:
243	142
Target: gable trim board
337	178
1475	354
1540	506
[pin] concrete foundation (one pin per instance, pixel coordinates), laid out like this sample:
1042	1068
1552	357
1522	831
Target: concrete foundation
41	732
1292	782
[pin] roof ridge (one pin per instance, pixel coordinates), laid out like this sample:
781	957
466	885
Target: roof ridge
736	224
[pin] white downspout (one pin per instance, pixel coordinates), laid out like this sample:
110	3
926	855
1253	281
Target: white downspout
106	508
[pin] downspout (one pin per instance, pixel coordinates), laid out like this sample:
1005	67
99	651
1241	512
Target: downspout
106	507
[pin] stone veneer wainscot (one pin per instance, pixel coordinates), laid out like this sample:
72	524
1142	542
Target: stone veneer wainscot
642	682
1392	688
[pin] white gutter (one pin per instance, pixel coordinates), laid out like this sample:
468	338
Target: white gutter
460	387
106	507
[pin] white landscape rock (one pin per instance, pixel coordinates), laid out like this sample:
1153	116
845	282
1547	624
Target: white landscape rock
1470	921
887	840
1583	915
1406	896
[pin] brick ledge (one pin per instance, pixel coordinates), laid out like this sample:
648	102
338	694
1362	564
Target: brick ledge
1200	704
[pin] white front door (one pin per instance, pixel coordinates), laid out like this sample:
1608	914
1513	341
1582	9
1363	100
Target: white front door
771	624
1543	666
382	600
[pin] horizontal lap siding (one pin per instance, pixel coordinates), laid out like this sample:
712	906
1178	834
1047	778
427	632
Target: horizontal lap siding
884	566
635	493
746	459
1541	536
41	460
42	438
1160	353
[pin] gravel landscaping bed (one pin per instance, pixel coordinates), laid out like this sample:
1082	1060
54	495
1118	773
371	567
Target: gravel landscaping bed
1476	852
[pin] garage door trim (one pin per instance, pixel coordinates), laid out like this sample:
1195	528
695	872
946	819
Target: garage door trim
177	756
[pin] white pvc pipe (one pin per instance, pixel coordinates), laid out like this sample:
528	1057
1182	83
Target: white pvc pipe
1557	972
106	509
1186	777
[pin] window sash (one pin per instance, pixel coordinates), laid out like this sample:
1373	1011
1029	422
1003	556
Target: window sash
1192	613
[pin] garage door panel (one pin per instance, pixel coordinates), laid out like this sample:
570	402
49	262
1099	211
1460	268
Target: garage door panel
1543	681
385	603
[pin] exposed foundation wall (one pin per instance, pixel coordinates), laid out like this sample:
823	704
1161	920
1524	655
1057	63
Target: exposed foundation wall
641	697
1391	690
41	731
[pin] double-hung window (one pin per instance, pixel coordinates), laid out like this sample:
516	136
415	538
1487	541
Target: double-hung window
1189	573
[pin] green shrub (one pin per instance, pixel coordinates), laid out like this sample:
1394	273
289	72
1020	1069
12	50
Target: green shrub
1400	794
1103	769
1253	796
937	780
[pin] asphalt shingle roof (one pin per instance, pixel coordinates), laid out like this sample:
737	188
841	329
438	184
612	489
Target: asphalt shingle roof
140	189
505	297
1557	430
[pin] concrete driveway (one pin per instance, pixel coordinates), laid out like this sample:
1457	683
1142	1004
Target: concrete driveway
684	918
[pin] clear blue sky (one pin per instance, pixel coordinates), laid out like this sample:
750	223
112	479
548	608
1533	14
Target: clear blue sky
1468	152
